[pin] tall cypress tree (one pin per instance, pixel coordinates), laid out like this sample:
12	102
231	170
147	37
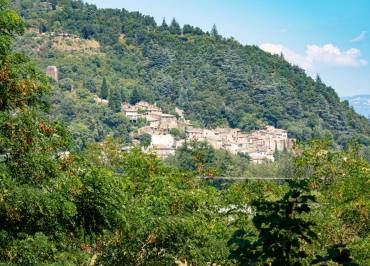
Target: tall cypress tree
115	100
135	97
104	90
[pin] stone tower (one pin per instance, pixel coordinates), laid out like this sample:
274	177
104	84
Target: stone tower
52	71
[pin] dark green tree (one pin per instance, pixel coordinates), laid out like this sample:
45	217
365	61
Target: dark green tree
339	254
115	100
135	97
87	32
43	28
90	85
214	31
188	29
175	27
282	230
164	25
104	90
33	208
145	139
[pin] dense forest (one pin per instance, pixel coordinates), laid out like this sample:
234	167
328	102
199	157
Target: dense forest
216	81
101	206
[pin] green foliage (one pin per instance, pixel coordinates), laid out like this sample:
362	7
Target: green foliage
340	179
105	206
145	139
115	100
90	85
104	90
214	31
167	217
135	97
201	158
175	27
11	25
66	84
282	231
36	182
177	133
339	254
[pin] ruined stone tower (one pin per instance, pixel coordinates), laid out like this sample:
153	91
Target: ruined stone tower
52	71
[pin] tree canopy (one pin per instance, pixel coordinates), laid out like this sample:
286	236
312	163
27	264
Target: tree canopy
104	205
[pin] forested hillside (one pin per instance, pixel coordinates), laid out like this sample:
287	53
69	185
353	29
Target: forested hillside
101	205
217	81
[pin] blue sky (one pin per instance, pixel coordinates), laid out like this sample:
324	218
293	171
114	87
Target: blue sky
329	37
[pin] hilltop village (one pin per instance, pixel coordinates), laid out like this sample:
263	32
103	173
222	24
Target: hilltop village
259	145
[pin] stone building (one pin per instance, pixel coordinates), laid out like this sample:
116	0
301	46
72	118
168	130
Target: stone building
163	145
260	145
52	72
157	120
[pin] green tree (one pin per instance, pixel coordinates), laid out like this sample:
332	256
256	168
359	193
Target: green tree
145	139
115	100
135	97
87	32
214	31
90	85
282	231
188	29
168	218
35	176
104	90
339	254
175	27
164	25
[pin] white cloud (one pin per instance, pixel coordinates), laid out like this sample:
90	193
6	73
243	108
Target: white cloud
317	56
289	55
360	37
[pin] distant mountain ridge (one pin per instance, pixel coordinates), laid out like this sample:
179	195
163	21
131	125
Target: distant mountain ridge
217	81
361	103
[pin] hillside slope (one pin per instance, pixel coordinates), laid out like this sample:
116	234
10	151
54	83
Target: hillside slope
217	81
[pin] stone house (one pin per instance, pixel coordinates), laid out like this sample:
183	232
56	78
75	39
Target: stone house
260	144
259	158
163	145
131	113
154	116
167	122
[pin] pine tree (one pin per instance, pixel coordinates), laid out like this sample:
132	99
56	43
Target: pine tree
214	31
164	25
175	27
104	90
